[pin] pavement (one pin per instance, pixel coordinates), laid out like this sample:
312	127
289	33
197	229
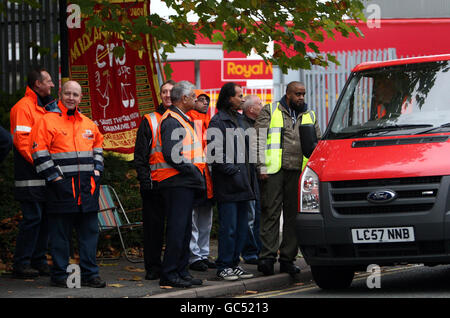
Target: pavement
127	280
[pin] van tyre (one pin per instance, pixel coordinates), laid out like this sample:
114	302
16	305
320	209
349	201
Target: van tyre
328	277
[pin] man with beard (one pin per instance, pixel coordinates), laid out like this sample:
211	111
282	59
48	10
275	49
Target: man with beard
279	170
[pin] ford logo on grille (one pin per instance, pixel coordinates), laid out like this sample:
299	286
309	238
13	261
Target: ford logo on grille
381	196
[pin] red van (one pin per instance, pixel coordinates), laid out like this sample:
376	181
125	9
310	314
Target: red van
376	189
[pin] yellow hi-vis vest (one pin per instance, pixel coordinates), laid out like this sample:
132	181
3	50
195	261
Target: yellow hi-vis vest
274	152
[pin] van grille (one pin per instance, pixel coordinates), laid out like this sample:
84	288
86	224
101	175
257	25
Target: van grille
416	194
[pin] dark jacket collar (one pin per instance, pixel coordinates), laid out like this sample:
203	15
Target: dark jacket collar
161	109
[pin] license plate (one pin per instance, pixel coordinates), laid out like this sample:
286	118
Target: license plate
383	235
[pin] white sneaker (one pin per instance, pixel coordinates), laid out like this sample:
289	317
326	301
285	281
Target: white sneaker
241	273
227	274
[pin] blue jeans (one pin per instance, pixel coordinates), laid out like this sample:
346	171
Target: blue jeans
60	229
253	244
32	240
233	229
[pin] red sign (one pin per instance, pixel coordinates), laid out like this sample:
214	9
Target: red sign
117	91
244	69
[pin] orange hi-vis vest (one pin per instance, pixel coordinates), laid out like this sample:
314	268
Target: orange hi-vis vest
201	123
153	121
191	151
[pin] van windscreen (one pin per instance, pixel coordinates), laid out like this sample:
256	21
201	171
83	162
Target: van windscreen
395	100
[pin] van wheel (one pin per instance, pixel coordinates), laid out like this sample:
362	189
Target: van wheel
328	277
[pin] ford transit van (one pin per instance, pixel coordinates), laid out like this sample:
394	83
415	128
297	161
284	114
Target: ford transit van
376	189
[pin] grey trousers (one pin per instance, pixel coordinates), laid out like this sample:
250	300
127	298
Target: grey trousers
279	193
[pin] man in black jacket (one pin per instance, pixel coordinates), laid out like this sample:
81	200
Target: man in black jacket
234	179
152	203
180	175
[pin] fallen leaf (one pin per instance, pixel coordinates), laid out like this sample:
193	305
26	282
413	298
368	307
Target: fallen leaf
166	287
134	269
111	264
251	292
299	284
29	280
115	285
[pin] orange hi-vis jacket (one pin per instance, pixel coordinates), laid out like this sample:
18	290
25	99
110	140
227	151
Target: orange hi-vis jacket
25	113
192	151
201	123
68	145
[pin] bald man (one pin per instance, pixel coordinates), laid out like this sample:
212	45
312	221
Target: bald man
66	148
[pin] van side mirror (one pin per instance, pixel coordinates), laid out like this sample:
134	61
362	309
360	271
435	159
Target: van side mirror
308	139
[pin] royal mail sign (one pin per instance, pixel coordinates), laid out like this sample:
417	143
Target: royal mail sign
244	69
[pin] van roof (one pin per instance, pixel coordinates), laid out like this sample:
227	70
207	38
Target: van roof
421	59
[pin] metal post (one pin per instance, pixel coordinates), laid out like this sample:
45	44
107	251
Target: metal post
198	80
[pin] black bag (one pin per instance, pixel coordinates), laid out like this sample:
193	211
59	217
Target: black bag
308	139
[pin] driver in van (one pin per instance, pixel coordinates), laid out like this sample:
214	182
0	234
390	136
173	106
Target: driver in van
390	100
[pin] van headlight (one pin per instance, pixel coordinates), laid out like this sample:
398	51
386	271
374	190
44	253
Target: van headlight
309	192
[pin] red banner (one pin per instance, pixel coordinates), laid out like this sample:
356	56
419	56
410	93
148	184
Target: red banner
117	91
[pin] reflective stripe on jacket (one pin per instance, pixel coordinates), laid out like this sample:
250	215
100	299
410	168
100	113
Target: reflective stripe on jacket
68	146
191	151
274	151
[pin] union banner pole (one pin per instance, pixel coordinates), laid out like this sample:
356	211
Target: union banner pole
64	41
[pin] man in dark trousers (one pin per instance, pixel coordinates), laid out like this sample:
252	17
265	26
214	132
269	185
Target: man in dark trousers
180	172
279	145
66	147
152	202
32	240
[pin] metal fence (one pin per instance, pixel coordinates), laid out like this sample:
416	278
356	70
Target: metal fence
28	38
323	85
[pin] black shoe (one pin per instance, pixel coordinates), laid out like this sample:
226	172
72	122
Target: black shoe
58	283
178	282
199	266
290	268
43	269
152	275
253	261
209	263
266	266
25	271
192	280
95	282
